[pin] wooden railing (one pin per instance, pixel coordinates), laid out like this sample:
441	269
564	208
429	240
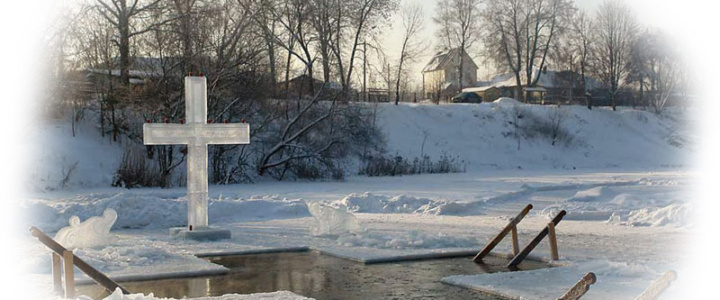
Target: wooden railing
548	230
580	288
511	228
69	259
658	286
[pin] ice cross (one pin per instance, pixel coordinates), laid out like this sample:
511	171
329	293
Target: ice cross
197	134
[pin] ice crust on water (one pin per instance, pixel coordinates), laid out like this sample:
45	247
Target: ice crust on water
279	295
95	231
332	221
407	240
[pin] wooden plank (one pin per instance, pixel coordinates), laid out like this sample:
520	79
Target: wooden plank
658	286
91	272
580	288
553	241
529	248
69	274
515	243
56	272
485	251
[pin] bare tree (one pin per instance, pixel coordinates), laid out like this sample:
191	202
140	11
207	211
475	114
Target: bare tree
94	48
268	31
570	52
459	25
357	18
580	35
658	68
299	126
321	20
412	16
519	35
122	14
294	16
614	30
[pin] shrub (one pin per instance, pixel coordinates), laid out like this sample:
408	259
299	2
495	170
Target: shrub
530	125
134	171
397	165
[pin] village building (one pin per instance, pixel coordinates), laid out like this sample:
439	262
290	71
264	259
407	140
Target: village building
441	76
303	87
552	87
486	93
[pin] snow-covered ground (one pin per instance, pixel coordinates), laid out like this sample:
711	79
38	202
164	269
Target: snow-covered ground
399	220
621	179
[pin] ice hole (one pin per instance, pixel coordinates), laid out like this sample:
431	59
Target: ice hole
316	275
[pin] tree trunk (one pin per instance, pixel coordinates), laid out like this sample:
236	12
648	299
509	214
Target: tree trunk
518	88
124	49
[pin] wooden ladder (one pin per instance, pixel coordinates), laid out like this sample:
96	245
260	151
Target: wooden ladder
69	260
548	230
510	228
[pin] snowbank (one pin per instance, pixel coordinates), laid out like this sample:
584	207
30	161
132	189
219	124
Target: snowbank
482	137
507	101
371	203
150	210
485	135
676	215
603	203
58	160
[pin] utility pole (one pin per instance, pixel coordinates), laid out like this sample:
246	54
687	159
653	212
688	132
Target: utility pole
365	97
423	86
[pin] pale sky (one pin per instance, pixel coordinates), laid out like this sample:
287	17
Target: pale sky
394	35
671	16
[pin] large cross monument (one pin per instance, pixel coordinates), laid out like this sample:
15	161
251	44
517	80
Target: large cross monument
196	133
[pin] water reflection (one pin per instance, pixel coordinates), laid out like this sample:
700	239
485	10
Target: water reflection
325	277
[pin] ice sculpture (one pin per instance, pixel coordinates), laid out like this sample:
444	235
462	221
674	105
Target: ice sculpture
95	231
331	220
197	134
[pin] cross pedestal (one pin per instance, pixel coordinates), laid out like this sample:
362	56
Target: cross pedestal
197	134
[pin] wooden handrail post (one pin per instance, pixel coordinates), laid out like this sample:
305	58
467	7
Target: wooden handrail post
69	274
515	243
580	288
553	242
524	253
91	272
56	272
508	228
658	286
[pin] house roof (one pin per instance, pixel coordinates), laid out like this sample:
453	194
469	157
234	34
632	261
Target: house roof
535	89
143	67
306	78
441	59
479	89
548	79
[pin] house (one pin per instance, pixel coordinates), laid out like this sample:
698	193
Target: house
486	93
441	76
378	95
142	70
557	87
300	87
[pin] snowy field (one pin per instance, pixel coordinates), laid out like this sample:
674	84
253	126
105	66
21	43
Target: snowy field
623	178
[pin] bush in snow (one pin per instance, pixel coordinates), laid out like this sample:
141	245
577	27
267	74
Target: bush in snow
134	171
397	165
545	125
